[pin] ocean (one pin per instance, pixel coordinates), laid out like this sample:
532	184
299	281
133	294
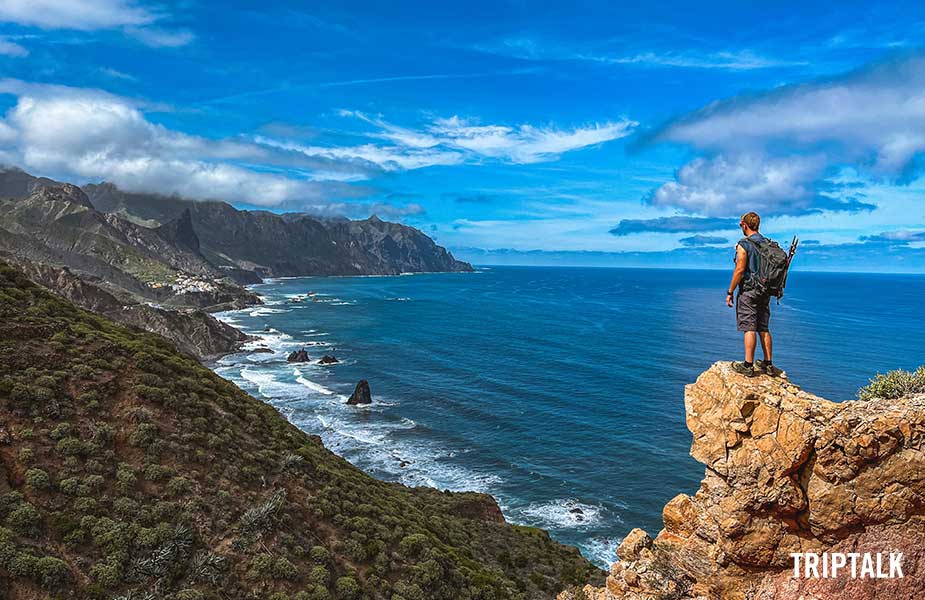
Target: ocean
557	390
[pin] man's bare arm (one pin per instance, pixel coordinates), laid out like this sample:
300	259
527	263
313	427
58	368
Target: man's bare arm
738	273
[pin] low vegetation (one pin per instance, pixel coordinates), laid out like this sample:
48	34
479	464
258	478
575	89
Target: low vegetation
894	384
129	471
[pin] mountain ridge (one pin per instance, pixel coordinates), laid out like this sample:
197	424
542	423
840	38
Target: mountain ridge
290	244
167	260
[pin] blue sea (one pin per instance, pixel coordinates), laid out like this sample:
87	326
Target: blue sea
557	390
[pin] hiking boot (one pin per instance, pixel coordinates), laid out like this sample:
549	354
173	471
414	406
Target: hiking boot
767	368
741	367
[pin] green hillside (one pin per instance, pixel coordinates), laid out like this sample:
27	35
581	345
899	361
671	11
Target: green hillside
127	470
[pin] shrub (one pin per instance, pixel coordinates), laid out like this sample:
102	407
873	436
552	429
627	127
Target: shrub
144	435
412	545
51	572
25	518
319	576
319	554
27	455
61	431
71	446
125	507
126	478
260	567
179	486
94	482
37	479
107	574
23	564
347	588
283	569
894	384
156	472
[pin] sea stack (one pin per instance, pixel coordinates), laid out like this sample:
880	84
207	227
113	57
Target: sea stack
327	359
299	355
361	394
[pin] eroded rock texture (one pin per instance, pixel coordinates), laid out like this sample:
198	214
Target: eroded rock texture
786	471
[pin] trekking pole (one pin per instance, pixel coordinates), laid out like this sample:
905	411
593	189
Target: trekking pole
790	255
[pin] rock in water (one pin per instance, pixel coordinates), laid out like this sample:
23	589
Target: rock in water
787	471
299	355
361	394
327	359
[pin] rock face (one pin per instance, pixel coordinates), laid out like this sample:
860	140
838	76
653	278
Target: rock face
57	225
290	244
193	331
786	472
361	394
299	355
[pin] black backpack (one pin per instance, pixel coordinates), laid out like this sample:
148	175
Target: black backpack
773	262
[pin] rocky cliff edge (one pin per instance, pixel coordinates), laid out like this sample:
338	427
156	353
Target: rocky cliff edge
786	471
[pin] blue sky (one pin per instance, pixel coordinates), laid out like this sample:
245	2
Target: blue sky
522	132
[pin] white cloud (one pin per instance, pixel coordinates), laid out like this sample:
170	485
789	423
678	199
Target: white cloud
157	37
524	143
526	48
721	186
387	158
777	149
455	140
742	60
75	14
133	18
116	74
876	114
8	48
91	135
364	209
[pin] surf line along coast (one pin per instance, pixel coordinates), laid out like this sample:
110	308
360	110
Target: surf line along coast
856	565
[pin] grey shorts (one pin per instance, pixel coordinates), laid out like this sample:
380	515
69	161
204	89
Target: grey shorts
753	311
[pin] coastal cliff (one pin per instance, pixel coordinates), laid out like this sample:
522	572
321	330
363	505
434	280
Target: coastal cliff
163	263
786	471
129	470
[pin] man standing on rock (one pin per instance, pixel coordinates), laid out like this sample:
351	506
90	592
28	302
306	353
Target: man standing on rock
752	304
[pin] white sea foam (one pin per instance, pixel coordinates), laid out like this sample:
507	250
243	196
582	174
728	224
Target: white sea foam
265	382
601	551
266	310
561	514
315	387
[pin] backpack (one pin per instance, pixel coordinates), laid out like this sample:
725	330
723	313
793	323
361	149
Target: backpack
773	262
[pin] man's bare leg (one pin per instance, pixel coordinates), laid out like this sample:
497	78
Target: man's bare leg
766	346
751	341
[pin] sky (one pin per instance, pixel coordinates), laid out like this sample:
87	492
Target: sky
513	132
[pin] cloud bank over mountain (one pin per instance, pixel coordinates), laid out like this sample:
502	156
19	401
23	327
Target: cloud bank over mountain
91	134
